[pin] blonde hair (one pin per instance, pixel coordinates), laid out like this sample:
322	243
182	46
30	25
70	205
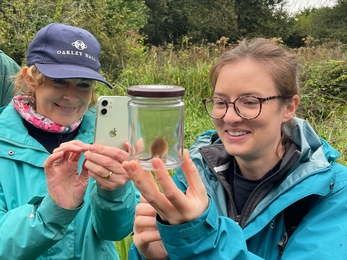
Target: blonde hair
36	78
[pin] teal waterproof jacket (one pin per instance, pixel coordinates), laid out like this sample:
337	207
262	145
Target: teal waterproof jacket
221	234
32	225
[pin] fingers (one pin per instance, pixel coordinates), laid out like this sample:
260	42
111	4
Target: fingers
108	151
71	151
101	160
72	146
145	224
127	146
103	164
176	197
54	159
143	180
192	175
144	208
84	172
172	205
149	189
65	186
142	199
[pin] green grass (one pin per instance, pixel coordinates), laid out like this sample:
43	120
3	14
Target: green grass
189	68
123	247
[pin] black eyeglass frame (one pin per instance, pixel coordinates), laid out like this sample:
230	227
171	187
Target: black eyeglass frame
261	101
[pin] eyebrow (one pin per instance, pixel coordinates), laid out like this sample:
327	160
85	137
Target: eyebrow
240	95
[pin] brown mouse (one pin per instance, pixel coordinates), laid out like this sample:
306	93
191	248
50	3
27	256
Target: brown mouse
158	148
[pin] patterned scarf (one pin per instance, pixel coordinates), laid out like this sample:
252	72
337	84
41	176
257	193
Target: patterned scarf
21	104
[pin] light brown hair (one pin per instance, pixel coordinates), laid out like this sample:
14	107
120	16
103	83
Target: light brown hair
279	62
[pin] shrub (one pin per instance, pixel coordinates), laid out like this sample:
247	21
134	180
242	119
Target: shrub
324	88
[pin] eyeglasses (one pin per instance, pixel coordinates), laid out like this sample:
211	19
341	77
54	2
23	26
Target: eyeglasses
247	107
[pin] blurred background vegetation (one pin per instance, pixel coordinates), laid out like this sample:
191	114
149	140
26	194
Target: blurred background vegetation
177	41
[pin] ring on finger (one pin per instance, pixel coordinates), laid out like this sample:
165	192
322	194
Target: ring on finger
109	175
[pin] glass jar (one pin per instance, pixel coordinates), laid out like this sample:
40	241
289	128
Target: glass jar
156	124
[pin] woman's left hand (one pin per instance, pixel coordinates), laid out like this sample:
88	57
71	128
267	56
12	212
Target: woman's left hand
104	164
172	204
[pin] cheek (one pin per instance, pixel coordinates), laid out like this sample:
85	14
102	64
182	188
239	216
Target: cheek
86	97
218	123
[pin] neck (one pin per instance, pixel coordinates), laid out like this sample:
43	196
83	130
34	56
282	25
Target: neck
254	169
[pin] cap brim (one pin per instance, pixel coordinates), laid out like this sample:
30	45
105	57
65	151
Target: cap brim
64	71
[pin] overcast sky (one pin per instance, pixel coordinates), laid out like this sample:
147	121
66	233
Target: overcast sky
296	5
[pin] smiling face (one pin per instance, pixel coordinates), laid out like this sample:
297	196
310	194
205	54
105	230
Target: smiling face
64	101
257	139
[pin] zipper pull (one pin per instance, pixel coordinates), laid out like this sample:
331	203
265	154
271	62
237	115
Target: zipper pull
238	217
60	138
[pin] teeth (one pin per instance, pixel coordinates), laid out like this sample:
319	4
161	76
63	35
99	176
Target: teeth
236	133
67	108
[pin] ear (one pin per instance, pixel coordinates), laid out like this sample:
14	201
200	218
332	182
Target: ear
290	108
28	79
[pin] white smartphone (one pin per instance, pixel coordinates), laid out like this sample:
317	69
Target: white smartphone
111	126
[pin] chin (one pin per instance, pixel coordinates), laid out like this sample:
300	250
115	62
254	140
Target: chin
234	150
65	122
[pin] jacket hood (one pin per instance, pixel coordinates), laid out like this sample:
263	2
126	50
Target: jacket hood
305	137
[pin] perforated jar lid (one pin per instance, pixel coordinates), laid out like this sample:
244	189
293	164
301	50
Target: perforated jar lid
156	91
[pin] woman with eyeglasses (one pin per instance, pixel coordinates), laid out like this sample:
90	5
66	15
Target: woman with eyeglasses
241	185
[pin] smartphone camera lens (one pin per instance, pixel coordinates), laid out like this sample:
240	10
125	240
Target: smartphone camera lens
103	111
104	103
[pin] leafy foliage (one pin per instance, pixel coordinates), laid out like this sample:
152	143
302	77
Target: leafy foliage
207	21
109	20
325	22
262	18
324	88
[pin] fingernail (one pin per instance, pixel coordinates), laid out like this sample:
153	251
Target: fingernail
93	148
155	164
133	167
125	166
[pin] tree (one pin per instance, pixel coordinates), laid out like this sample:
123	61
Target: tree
202	20
323	23
210	20
266	18
167	21
109	20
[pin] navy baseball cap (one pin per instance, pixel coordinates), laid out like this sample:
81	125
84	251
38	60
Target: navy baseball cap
63	51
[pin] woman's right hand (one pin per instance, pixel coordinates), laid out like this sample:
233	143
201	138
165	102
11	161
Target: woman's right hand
65	185
146	235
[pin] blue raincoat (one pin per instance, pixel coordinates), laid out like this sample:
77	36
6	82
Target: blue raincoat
32	226
321	235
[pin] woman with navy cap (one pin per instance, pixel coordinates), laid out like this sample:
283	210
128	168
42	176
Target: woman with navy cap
60	196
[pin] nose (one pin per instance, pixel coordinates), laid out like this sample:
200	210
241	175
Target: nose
231	115
70	93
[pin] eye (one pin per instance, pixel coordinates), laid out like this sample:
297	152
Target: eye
59	81
85	84
218	102
248	101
